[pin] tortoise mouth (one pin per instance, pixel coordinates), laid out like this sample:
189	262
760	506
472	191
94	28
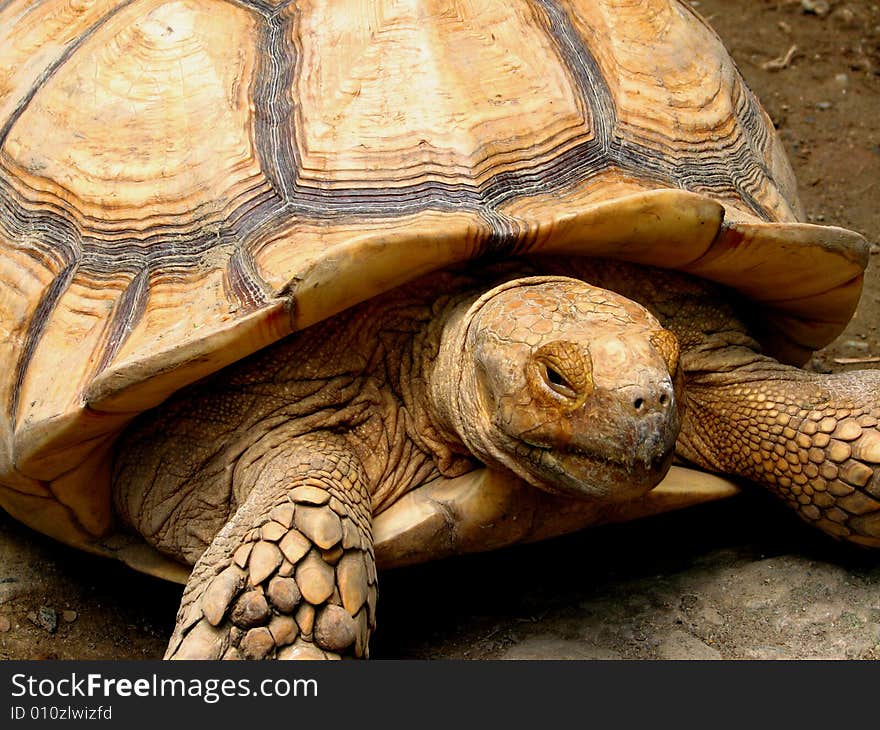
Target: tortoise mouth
585	473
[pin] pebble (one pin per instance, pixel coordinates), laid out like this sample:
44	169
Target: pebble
5	624
47	619
816	7
68	616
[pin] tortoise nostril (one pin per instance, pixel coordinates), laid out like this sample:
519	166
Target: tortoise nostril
649	401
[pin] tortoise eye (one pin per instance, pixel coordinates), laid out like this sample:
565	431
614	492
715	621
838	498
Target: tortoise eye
557	381
563	368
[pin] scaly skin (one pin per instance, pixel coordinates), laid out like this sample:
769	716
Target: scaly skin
292	575
811	439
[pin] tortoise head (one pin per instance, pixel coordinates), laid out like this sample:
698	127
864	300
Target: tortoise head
569	386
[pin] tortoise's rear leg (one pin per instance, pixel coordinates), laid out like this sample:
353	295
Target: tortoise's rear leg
292	574
812	439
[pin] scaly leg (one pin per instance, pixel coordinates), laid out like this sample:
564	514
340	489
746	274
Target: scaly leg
292	574
812	439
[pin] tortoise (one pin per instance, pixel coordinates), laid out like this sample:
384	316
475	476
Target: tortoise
292	291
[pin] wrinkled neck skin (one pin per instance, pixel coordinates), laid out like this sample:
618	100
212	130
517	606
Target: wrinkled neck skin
451	399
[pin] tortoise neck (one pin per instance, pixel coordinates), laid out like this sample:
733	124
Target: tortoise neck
434	396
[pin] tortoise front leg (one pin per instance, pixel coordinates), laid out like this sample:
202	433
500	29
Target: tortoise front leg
812	439
292	574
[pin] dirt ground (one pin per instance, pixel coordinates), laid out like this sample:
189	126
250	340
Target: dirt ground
739	579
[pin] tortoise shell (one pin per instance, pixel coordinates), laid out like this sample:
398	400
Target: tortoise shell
184	182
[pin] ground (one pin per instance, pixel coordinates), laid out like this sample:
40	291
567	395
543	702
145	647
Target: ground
739	579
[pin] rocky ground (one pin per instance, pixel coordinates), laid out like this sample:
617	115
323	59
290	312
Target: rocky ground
741	579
